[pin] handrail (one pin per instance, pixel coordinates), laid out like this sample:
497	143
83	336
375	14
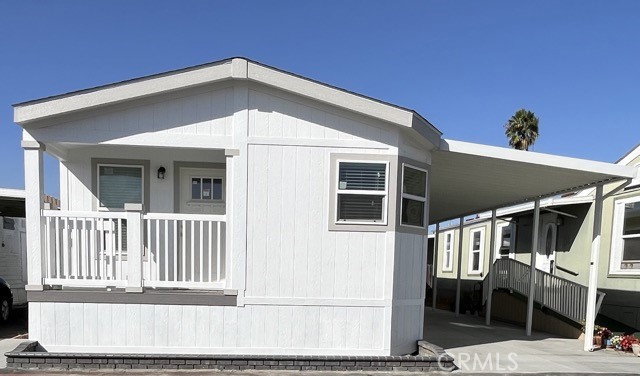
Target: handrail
567	270
180	217
527	265
558	294
83	214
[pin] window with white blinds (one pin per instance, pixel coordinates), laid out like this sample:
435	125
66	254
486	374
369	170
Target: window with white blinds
362	192
414	196
118	184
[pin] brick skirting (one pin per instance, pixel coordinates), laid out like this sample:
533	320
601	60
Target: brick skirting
31	355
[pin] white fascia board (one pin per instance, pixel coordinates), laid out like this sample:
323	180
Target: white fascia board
24	113
329	95
541	159
545	203
631	155
12	193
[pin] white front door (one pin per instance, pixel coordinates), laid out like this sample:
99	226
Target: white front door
202	191
547	247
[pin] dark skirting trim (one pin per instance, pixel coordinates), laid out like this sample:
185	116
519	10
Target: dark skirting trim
168	297
32	355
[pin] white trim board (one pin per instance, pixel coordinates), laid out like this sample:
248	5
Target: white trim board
542	159
12	193
230	69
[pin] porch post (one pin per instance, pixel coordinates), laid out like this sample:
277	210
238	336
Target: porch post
492	247
459	277
34	190
434	273
593	270
532	266
134	247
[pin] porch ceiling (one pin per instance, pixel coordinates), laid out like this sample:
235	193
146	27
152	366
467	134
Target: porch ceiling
471	178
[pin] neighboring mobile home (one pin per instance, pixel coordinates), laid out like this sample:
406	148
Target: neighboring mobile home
13	243
566	226
235	208
13	246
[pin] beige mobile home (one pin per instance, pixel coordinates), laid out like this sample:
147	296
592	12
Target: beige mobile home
566	226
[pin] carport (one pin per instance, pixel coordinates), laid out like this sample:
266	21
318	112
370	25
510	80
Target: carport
469	179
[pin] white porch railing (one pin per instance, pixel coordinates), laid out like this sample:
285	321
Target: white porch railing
98	249
184	250
561	295
84	248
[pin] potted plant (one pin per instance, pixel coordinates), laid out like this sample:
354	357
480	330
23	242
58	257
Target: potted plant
627	342
604	334
615	342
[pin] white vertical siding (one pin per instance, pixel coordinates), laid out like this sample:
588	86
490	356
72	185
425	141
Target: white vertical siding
407	317
13	258
275	116
206	114
202	329
290	252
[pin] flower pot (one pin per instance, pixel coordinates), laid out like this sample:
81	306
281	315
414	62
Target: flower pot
597	342
636	349
609	343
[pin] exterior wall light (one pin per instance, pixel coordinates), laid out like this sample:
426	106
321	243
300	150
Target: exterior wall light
161	172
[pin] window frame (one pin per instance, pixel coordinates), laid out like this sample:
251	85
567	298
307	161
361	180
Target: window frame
512	246
617	238
449	267
338	191
415	198
205	201
142	188
480	251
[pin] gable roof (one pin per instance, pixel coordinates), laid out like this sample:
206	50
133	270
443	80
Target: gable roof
30	112
631	155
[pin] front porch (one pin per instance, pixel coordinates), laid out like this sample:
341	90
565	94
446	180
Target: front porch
131	218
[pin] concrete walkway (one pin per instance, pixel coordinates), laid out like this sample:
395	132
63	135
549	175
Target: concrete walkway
503	348
7	345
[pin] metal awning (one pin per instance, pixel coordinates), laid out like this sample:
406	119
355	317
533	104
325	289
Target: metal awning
469	178
11	202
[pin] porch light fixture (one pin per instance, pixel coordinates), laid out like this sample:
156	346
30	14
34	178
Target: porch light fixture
161	172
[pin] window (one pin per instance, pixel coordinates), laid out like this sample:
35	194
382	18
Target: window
362	192
414	196
625	250
206	188
447	254
507	238
476	250
119	184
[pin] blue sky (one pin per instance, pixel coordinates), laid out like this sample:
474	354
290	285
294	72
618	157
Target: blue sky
467	66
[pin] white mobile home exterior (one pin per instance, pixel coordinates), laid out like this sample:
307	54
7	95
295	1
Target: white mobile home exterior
234	208
305	282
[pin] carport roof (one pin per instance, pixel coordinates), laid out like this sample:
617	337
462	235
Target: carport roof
469	178
11	202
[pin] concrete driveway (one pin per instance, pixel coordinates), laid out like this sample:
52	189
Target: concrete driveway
502	348
12	332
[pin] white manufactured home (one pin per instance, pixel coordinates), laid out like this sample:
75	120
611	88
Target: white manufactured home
234	208
13	244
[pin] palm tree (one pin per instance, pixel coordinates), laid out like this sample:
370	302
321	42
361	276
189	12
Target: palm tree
522	129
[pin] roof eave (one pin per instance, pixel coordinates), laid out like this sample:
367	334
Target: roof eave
32	112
